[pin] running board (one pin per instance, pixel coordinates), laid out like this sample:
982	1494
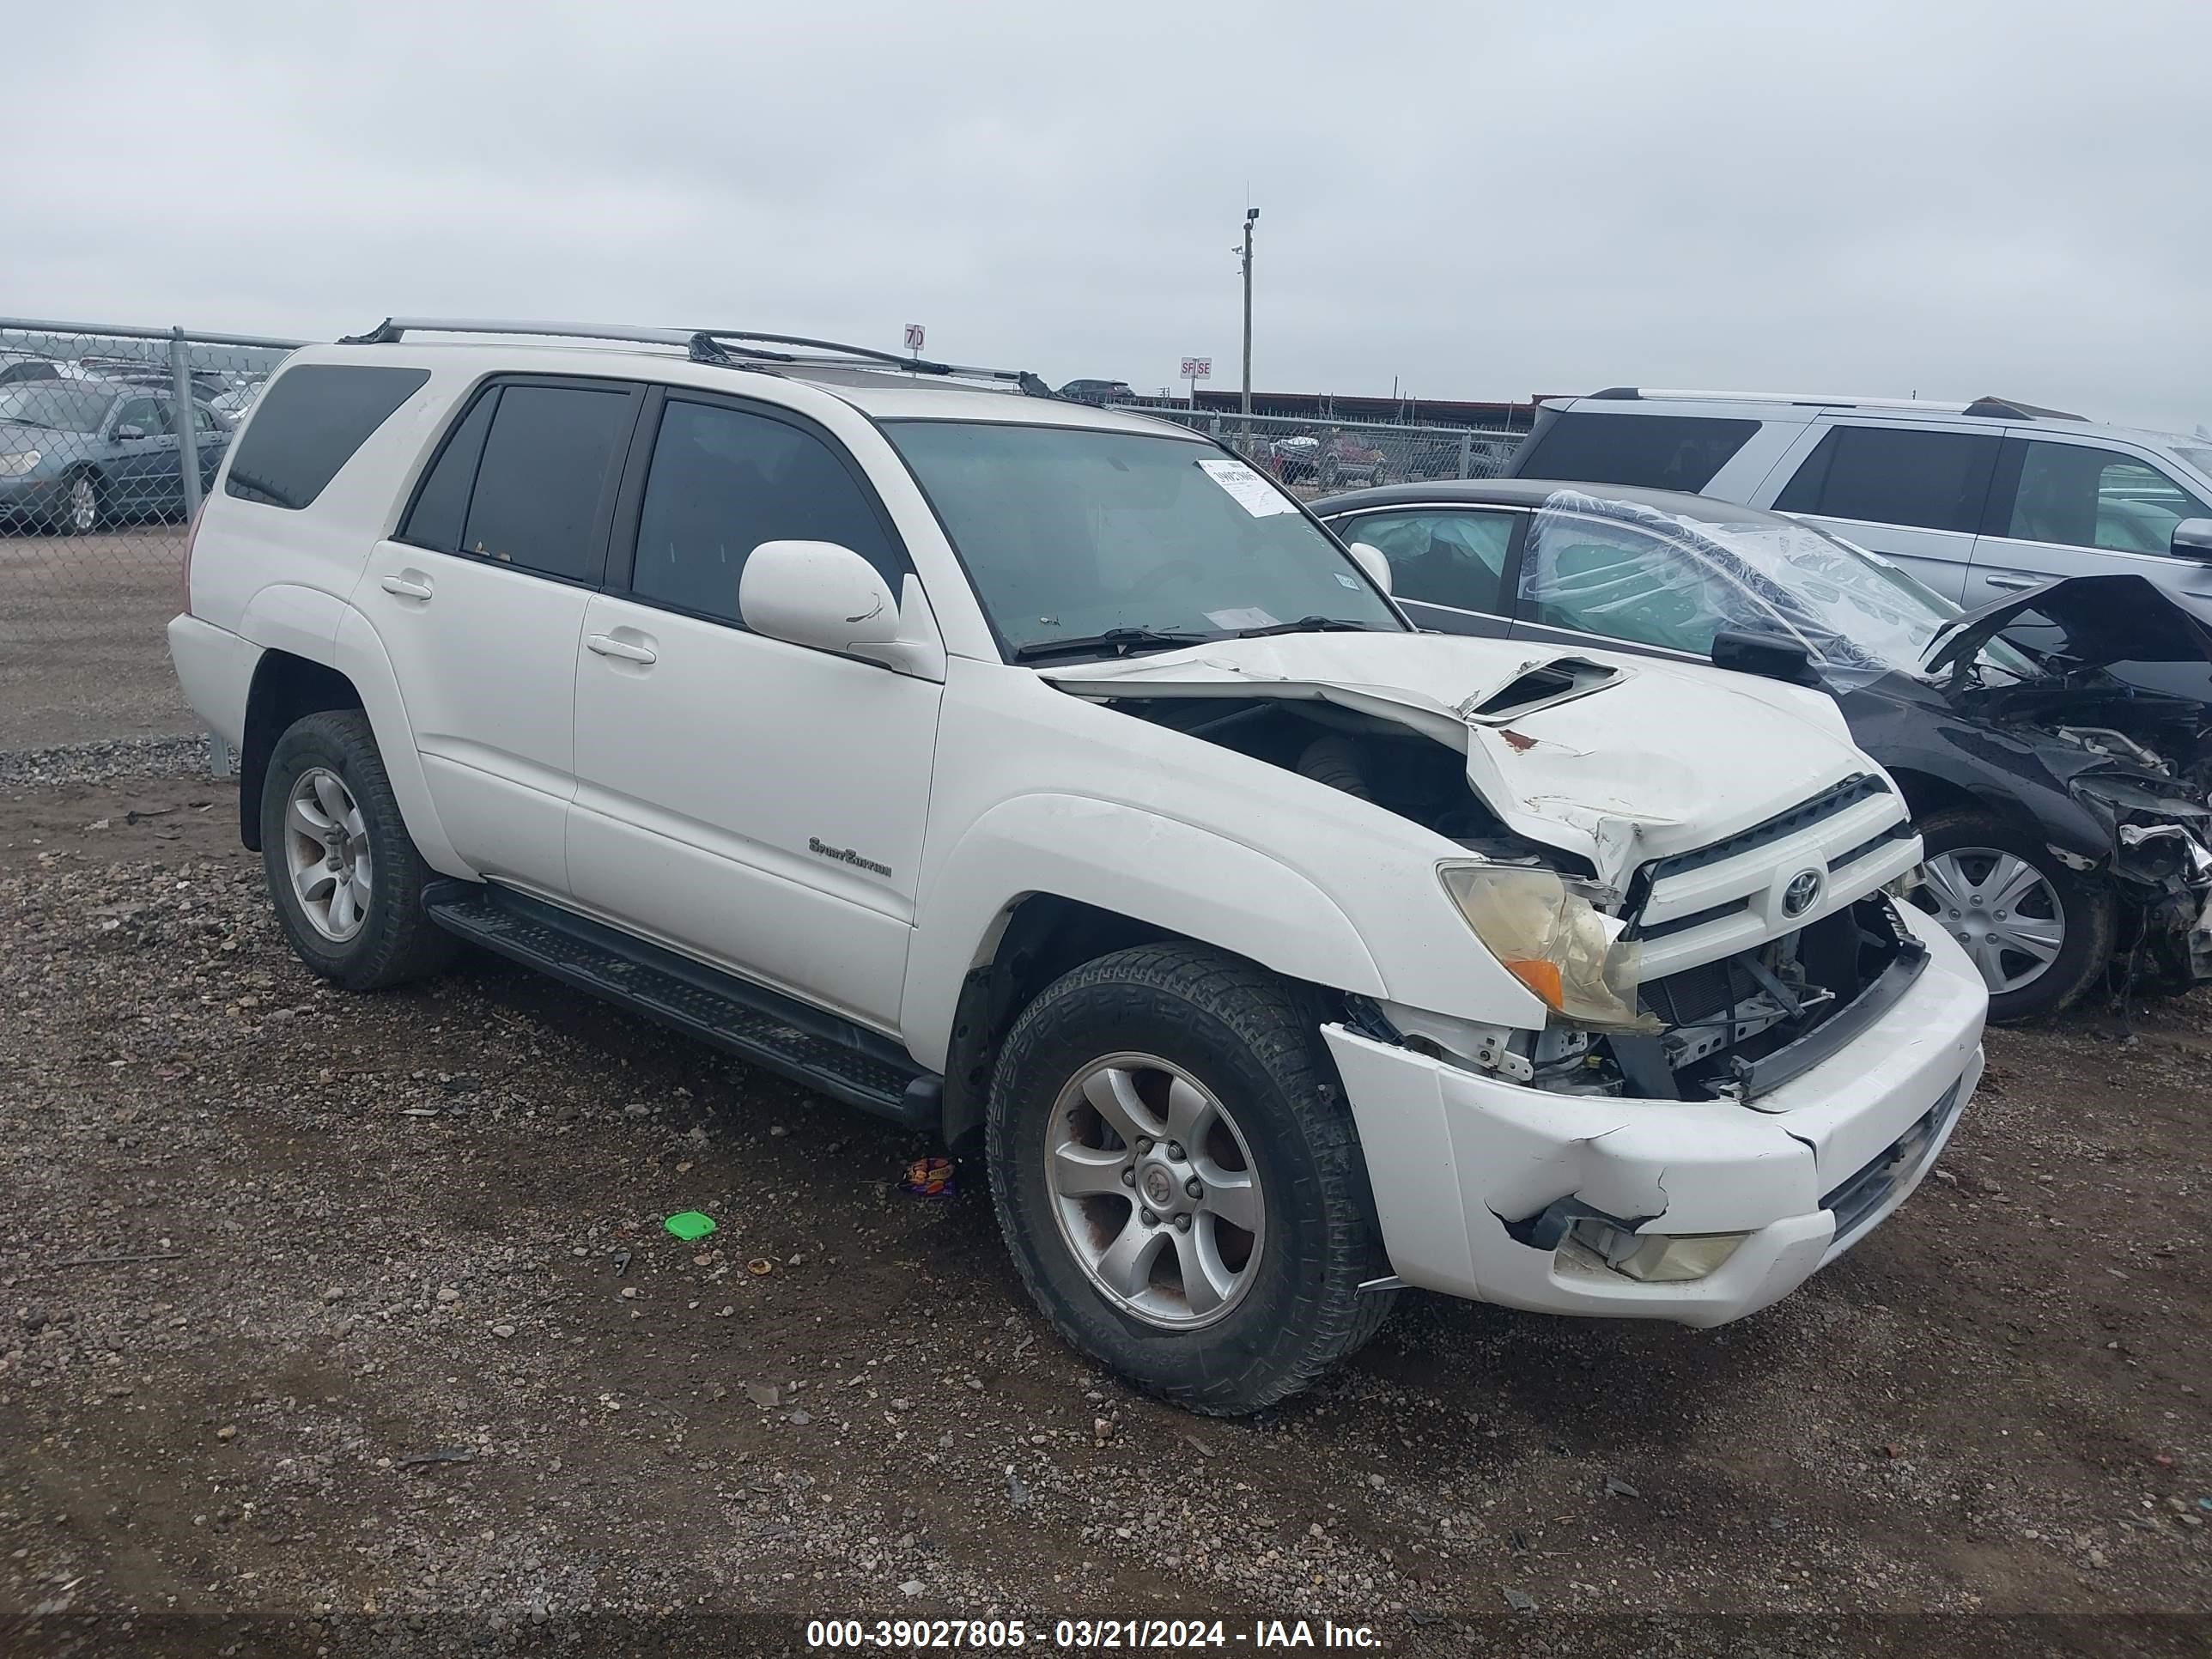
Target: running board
763	1027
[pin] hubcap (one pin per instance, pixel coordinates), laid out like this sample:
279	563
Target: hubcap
326	850
1155	1191
84	505
2000	909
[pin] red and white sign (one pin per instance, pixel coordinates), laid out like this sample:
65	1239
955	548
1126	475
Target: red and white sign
914	337
1197	368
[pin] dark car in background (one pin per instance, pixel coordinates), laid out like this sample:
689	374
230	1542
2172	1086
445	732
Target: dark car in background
79	455
1098	393
2063	811
1331	461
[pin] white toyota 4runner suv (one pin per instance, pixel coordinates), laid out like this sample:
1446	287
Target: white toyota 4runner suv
1041	777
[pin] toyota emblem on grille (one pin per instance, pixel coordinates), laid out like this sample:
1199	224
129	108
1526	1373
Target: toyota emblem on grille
1797	898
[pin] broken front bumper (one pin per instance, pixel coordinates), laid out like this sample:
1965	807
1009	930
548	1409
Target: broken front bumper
1467	1169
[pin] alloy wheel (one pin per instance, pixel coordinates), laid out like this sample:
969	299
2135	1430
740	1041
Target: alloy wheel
1155	1191
327	853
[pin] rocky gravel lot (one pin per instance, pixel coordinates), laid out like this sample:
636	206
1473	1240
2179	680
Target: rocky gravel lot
337	1324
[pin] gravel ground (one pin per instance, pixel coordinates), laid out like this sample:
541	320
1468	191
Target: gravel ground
337	1324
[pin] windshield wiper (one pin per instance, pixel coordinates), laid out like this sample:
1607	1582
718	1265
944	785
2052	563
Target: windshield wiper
1115	642
25	420
1307	625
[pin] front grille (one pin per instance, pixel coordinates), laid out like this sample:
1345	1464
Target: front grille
1857	1199
1839	798
1901	831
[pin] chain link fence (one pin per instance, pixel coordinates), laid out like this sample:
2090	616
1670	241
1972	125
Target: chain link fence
108	438
1316	457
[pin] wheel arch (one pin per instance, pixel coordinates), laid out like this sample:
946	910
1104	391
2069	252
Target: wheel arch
286	688
288	685
1040	885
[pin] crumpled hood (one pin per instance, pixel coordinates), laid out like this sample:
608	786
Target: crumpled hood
2104	619
1619	759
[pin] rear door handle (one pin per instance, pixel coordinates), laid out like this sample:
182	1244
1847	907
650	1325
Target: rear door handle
606	645
2014	582
406	589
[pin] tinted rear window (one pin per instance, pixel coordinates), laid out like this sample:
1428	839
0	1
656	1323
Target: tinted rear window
1896	475
311	421
548	461
1655	452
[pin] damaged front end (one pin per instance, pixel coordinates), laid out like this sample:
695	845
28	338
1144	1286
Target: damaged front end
2161	870
2137	762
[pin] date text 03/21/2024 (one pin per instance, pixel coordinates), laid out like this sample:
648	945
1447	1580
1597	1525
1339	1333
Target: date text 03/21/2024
1085	1634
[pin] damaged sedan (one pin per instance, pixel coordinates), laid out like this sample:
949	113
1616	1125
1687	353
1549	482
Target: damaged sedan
2063	809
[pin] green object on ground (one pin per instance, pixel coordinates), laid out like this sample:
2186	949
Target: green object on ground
690	1224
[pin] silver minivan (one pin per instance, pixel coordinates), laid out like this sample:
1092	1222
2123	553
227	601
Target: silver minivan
1978	499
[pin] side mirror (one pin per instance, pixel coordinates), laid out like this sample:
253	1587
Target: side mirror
1771	655
817	594
2192	539
1372	562
129	433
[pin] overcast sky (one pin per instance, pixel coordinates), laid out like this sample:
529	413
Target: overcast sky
1479	200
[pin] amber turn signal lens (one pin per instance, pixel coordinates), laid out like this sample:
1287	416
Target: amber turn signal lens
1542	978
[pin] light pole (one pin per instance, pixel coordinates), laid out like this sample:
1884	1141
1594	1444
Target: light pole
1251	215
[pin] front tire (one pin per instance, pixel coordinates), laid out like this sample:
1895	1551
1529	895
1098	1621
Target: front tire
2039	933
84	506
345	874
1179	1179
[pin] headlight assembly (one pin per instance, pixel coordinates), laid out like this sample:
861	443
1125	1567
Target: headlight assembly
16	464
1550	937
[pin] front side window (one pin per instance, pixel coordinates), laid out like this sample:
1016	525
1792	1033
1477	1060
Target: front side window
1068	533
1440	556
151	419
1631	572
724	481
2080	496
548	461
1896	475
1650	451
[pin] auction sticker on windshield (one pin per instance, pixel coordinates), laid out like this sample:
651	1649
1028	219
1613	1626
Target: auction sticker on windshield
1253	492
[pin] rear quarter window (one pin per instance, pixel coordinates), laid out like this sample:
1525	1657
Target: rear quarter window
1651	452
310	422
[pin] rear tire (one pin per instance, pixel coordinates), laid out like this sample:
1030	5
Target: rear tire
1967	852
1215	1315
345	874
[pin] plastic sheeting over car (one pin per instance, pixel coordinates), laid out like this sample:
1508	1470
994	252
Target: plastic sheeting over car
1632	572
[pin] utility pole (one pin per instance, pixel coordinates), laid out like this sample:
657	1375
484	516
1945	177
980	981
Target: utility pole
1250	215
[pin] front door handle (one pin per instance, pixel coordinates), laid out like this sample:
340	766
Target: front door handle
2014	582
405	588
606	645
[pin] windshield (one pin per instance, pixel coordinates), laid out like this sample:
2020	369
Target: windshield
62	408
1068	534
1632	572
2199	458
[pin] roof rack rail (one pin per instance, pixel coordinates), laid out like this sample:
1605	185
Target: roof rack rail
729	348
2002	409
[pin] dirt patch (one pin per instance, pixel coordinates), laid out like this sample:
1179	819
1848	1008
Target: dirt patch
83	650
264	1246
